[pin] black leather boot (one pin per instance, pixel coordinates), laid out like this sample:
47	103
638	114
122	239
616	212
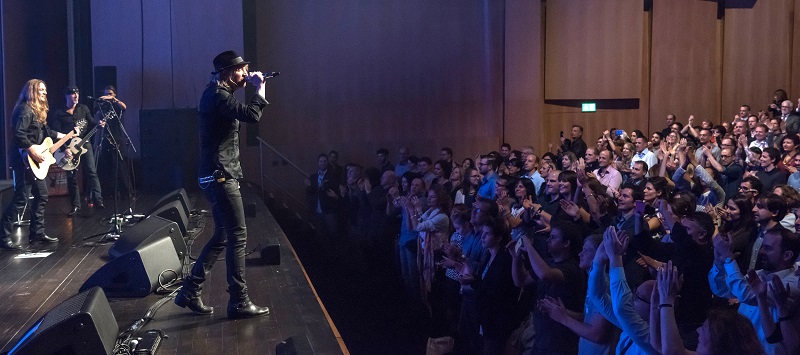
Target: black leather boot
245	309
194	302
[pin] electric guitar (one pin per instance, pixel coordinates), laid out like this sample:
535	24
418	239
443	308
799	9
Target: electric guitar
77	147
46	150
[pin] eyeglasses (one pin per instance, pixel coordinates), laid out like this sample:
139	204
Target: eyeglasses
745	189
782	106
474	176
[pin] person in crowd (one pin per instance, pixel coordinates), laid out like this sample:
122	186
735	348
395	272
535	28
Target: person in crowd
558	278
469	188
788	148
597	335
488	169
591	159
403	165
729	172
643	154
456	180
468	163
790	118
325	196
607	173
794	178
638	175
382	158
770	175
446	154
778	97
771	294
407	243
769	210
723	331
777	254
453	262
751	188
441	175
738	224
530	170
431	220
505	152
495	293
425	168
792	198
623	307
569	161
473	252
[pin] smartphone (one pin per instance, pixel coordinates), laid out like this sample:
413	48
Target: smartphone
519	244
618	132
639	207
562	134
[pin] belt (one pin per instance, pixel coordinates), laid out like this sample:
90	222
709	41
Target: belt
217	175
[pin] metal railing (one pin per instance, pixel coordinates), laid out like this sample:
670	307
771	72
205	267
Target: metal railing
286	180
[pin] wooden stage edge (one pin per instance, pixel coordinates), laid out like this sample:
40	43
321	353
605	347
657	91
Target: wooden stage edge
32	286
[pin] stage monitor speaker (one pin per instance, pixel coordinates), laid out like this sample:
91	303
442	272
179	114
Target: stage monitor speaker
148	231
174	195
175	212
137	273
83	324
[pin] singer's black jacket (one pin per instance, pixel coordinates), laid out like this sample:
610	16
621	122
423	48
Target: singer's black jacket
219	116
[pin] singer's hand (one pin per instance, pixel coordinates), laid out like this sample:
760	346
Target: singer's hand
256	78
106	97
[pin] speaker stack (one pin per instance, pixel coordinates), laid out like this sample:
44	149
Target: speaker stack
146	251
83	324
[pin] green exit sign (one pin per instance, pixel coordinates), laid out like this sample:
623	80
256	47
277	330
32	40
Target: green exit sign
588	107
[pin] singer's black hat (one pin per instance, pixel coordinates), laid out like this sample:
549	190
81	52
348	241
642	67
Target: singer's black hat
70	89
226	60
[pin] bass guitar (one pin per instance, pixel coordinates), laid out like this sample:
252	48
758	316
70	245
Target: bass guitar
77	147
46	150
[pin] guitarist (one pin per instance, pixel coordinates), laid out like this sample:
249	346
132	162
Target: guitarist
78	117
28	128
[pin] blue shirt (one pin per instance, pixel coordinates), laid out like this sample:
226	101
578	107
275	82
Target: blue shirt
729	283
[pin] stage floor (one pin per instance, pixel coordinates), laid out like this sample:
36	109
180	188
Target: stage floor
30	286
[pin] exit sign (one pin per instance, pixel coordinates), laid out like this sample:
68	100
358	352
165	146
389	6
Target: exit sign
588	107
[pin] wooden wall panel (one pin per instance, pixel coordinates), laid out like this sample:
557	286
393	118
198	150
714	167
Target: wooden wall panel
523	74
359	75
757	54
593	49
684	68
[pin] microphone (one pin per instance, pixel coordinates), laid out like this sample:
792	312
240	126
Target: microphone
92	98
266	75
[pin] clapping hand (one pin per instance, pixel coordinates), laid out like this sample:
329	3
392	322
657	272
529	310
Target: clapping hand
669	283
570	208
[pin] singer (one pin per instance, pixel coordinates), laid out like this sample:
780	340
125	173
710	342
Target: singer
219	174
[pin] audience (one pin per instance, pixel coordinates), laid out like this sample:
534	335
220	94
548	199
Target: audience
687	242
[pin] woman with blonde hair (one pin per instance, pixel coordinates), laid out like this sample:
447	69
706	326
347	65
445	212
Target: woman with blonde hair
29	128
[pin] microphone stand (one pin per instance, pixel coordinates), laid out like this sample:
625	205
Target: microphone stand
116	229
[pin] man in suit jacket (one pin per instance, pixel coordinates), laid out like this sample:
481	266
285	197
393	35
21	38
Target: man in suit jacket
790	117
323	191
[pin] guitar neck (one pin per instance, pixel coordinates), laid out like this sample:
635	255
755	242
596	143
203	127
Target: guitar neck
61	142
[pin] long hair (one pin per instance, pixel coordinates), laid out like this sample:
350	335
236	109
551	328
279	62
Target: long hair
29	96
732	333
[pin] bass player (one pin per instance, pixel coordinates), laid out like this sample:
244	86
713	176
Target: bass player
29	128
78	117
